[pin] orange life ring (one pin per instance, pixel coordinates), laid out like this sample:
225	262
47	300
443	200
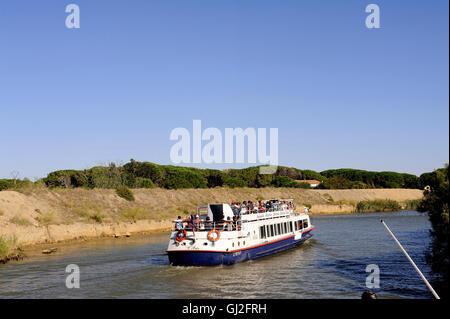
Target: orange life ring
210	235
183	237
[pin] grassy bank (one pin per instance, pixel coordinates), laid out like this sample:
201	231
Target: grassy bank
9	249
44	215
385	205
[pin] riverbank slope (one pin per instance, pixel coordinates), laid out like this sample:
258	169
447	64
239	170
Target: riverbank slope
49	216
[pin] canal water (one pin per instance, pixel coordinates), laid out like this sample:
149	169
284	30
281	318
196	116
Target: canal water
330	265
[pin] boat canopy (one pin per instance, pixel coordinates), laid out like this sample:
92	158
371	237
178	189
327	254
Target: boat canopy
218	212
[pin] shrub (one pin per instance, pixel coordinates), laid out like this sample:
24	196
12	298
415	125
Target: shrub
125	193
6	184
46	218
142	182
284	181
436	202
97	216
412	204
336	182
7	244
378	205
303	185
146	170
184	177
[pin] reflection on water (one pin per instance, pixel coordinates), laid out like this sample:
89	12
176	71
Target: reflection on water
330	265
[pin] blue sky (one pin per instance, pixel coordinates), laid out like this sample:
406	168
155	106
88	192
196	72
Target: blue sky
340	94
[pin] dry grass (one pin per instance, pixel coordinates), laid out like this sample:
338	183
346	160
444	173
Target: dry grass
46	218
7	244
67	206
19	220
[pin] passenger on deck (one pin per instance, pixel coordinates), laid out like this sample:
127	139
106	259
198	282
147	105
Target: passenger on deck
197	222
275	205
191	221
208	224
235	208
179	223
228	224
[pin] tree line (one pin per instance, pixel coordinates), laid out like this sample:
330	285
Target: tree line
149	175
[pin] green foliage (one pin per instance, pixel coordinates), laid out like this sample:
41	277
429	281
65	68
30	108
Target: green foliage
97	218
309	174
111	176
142	182
148	175
6	184
184	177
215	178
284	181
412	204
336	182
359	185
375	179
124	192
436	203
378	205
46	218
303	185
146	170
67	178
234	182
7	244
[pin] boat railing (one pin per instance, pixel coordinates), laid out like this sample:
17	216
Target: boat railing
207	226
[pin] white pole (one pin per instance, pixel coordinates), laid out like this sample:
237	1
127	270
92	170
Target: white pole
412	262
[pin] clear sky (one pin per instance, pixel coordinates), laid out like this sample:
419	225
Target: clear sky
341	95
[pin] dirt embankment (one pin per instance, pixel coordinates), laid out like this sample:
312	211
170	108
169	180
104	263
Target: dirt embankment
48	216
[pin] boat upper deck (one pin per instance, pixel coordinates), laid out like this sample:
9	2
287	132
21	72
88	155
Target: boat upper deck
231	217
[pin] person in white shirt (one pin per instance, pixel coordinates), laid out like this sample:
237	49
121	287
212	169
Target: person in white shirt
179	223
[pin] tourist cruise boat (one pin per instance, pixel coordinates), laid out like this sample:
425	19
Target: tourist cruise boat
216	239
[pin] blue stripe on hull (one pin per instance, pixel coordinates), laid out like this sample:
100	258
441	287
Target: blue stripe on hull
208	258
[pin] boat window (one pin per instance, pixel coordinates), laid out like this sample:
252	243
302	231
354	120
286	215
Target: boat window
262	232
267	231
305	224
271	230
290	226
285	228
279	229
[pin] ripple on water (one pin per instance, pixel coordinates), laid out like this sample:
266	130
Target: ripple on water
330	265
